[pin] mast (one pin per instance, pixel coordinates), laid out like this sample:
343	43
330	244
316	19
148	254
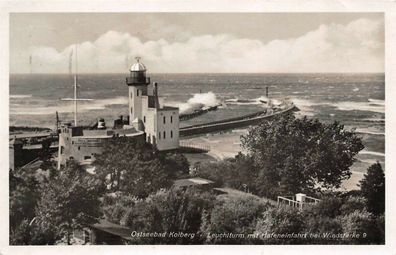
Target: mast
75	100
75	91
75	85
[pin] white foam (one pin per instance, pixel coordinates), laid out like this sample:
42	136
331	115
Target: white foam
19	96
375	153
368	131
360	106
67	107
377	101
371	161
198	101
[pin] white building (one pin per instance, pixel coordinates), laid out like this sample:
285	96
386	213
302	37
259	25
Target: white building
159	122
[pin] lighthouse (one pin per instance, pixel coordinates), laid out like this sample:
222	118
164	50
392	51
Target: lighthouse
159	122
137	87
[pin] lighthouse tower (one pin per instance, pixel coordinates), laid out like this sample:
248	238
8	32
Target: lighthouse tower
159	122
137	83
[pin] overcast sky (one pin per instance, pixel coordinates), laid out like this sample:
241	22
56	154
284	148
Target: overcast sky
217	42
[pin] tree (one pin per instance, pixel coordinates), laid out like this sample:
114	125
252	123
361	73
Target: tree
20	235
237	172
24	195
115	206
137	168
69	201
295	155
372	187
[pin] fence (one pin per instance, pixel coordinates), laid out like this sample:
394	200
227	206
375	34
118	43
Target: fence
194	146
290	201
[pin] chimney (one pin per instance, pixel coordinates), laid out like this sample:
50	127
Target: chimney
155	92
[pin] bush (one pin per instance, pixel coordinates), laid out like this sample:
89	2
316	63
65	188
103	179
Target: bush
169	211
352	204
362	223
235	216
280	220
328	207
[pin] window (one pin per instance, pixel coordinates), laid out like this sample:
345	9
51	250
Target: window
78	147
159	135
131	94
137	93
131	110
87	157
171	119
164	120
164	135
171	134
62	149
144	119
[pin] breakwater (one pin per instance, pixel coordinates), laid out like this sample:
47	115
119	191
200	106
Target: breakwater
242	121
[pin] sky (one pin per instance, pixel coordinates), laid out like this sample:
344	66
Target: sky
197	42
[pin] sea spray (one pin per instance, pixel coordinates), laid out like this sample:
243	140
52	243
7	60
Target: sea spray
198	101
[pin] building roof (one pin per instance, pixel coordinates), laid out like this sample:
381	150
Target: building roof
113	229
191	182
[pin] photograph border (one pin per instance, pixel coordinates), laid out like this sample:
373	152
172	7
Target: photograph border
386	7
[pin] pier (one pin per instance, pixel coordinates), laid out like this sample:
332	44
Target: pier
243	121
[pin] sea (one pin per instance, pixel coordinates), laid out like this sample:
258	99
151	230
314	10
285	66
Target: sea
355	100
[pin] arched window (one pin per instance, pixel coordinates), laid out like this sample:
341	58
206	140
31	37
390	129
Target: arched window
131	110
171	119
164	119
164	135
159	135
144	119
171	134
